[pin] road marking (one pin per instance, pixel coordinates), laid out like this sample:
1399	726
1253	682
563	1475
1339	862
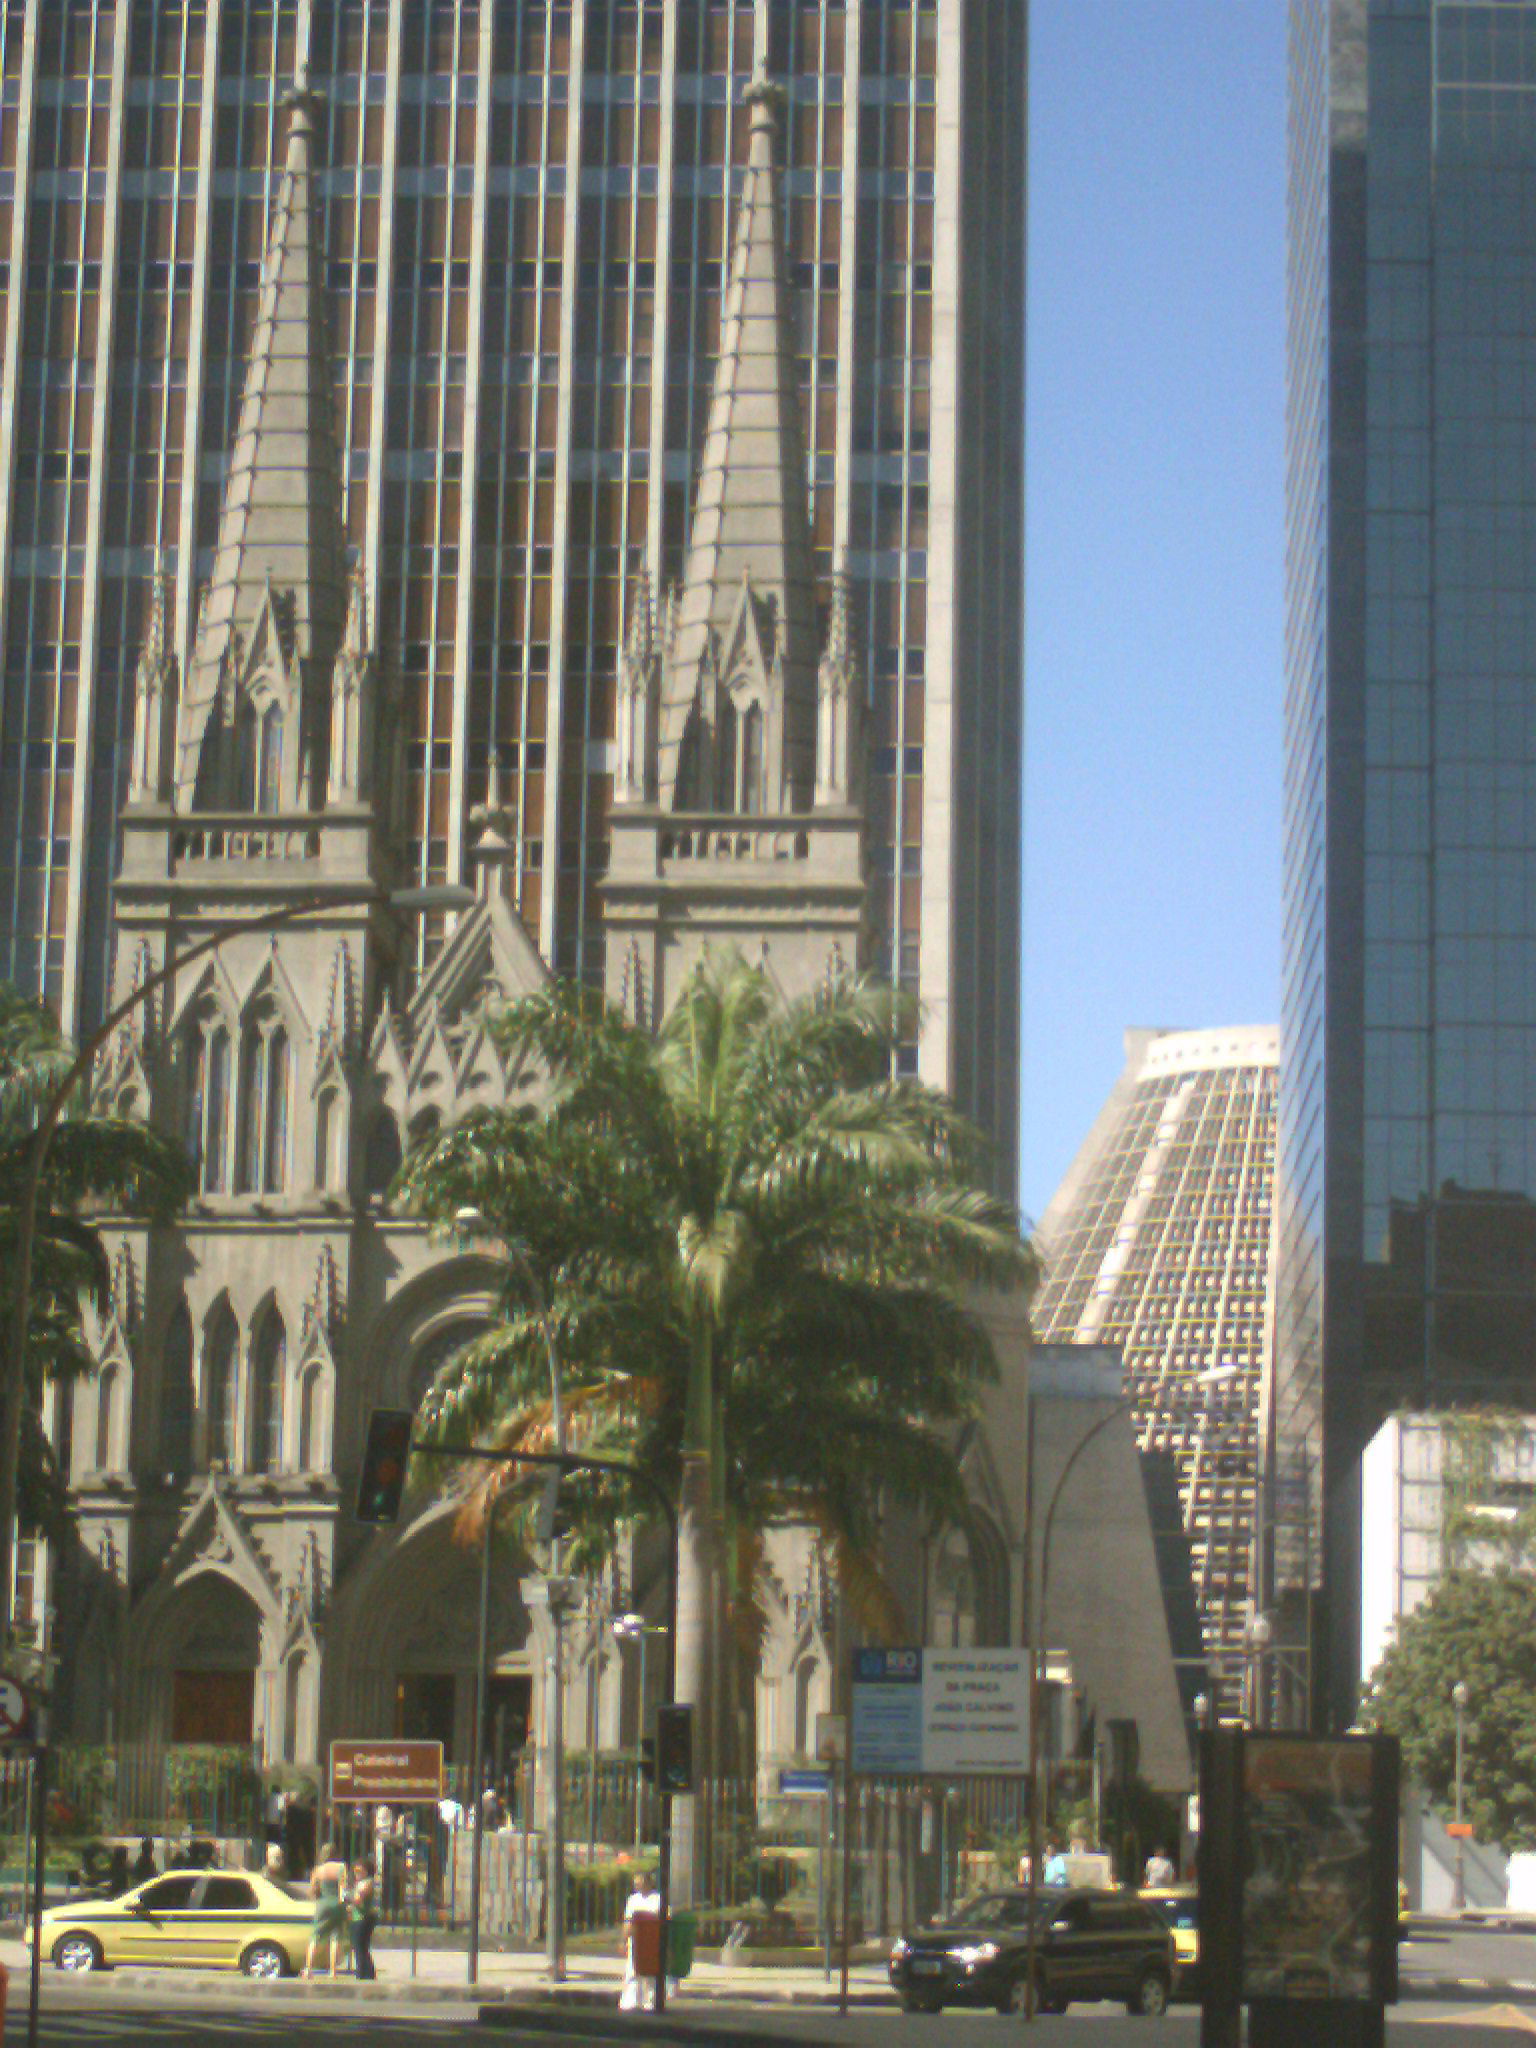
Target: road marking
1509	2016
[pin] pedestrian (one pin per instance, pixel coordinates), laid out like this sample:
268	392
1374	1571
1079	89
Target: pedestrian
276	1862
638	1993
1159	1871
1055	1871
363	1919
327	1885
144	1867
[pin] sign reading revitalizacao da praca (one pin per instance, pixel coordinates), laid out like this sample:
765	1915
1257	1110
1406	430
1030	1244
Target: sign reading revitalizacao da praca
940	1713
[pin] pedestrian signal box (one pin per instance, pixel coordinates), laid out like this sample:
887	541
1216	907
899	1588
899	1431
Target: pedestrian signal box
385	1457
674	1749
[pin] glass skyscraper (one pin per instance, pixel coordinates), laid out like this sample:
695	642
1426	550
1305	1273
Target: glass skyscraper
1406	1259
527	206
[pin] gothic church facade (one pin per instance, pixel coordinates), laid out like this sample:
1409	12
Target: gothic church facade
220	1589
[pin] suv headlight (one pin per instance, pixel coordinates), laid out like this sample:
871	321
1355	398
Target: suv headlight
979	1952
899	1947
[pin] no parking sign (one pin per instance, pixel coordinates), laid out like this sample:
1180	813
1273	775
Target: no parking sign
15	1712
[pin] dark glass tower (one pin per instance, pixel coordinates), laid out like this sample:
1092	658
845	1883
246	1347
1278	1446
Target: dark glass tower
1406	1262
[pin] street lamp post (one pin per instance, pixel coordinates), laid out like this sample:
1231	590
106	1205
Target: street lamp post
1459	1698
444	897
472	1221
634	1628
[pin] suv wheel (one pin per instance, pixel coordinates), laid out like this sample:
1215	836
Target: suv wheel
1151	2000
1013	1999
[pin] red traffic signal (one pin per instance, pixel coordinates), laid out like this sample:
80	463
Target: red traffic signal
385	1457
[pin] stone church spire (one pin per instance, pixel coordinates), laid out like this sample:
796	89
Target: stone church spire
255	716
738	701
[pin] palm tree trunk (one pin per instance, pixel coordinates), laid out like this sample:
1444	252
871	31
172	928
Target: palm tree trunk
696	1579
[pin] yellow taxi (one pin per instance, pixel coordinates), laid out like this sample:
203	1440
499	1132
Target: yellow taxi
207	1919
1179	1904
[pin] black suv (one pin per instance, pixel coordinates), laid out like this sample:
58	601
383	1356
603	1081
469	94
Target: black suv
1088	1945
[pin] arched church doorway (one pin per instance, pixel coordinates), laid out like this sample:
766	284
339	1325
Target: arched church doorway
213	1657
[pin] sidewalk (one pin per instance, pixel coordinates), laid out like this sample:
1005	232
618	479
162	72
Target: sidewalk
591	1981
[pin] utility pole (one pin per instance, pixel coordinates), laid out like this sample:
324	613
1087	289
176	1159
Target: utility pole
1459	1699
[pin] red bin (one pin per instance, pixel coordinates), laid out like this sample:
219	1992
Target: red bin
645	1943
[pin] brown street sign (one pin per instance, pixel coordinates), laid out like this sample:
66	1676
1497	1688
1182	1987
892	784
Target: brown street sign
391	1773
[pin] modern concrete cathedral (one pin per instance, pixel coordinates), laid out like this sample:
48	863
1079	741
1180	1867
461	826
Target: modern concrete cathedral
223	1590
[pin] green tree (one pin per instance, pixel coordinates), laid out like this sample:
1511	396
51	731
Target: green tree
94	1158
1478	1628
750	1245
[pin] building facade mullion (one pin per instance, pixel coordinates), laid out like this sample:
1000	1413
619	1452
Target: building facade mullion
197	344
847	300
378	422
551	937
87	738
661	343
15	305
469	487
936	1043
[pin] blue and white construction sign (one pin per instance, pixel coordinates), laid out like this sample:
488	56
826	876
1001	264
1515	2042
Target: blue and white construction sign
941	1713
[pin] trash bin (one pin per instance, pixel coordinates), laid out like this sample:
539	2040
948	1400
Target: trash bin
682	1935
645	1943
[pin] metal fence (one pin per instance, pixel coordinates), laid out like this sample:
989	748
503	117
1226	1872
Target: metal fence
770	1872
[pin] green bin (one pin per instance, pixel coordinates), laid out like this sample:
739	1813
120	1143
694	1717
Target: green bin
682	1933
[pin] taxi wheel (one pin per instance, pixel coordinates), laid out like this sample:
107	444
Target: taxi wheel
77	1952
264	1959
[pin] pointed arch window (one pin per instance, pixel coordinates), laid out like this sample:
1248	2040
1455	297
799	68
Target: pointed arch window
264	1084
314	1444
247	741
327	1139
207	1128
269	1375
106	1419
269	760
177	1399
752	804
725	755
383	1153
221	1381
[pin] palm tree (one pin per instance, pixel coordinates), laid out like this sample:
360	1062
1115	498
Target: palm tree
750	1244
97	1158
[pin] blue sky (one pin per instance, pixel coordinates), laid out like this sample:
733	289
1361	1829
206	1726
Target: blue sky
1155	548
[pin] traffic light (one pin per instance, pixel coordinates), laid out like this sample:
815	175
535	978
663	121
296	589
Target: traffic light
385	1456
647	1763
674	1749
548	1522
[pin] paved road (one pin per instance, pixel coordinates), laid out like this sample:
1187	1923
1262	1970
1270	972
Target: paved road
84	2018
1469	1952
